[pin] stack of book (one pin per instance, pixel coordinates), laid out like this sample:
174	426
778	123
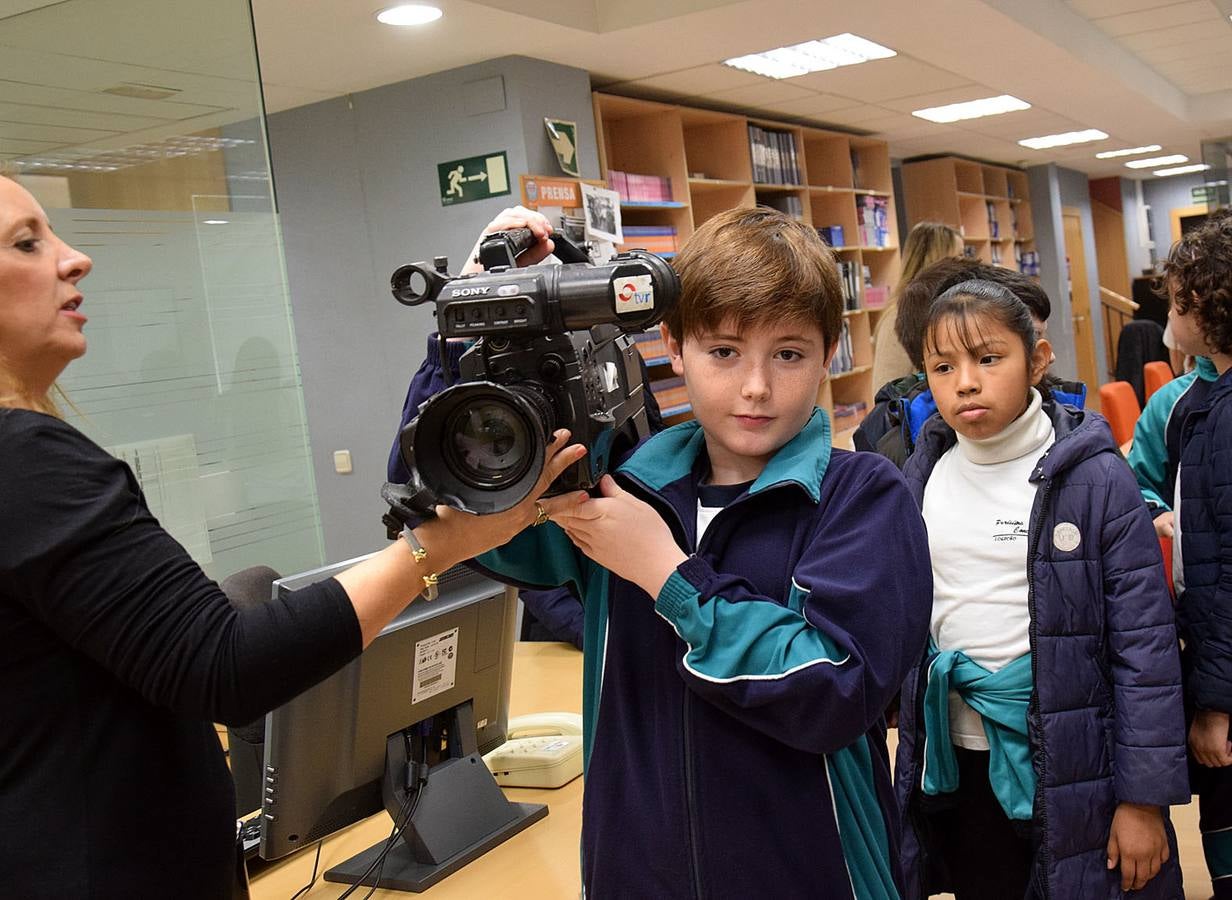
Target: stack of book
659	239
785	203
671	394
849	415
853	283
1028	261
650	344
640	188
832	235
774	156
873	215
844	357
994	227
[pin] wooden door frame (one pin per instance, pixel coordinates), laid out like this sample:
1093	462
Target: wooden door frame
1081	306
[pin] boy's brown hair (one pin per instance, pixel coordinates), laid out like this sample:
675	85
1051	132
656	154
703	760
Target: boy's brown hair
1199	268
746	268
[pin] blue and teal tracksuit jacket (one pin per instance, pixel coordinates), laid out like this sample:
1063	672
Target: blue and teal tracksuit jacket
1156	449
735	743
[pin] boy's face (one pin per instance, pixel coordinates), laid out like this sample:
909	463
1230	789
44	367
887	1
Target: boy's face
1185	333
751	391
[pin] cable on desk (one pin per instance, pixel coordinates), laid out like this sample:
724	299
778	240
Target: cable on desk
313	880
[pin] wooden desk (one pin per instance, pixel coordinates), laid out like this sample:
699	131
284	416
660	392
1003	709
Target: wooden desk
542	861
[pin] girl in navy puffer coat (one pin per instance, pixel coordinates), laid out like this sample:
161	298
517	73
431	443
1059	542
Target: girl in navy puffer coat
1042	737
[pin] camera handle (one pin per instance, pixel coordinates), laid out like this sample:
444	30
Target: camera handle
500	249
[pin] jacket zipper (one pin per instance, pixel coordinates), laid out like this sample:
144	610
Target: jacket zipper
1033	708
686	725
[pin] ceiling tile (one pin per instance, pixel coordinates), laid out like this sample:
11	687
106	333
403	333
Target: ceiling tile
1160	17
52	134
882	79
770	91
1167	37
1096	9
701	80
813	105
1219	44
857	115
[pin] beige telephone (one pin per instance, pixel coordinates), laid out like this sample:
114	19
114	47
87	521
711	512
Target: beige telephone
543	750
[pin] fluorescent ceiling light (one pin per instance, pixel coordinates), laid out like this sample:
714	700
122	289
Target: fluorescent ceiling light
1157	161
409	14
215	222
972	109
1132	151
812	56
1183	170
1064	140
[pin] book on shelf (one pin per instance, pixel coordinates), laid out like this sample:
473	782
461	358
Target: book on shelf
635	188
844	355
873	216
669	392
652	346
832	235
655	238
773	154
790	204
853	284
849	415
876	296
994	227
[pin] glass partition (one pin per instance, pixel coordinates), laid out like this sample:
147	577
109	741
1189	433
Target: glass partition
138	125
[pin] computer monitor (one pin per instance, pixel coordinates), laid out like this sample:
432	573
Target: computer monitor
401	728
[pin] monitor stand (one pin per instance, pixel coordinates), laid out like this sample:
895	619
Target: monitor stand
461	815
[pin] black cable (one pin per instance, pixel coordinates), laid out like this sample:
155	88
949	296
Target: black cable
313	880
405	814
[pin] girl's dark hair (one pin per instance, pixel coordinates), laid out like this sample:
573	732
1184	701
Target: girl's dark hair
966	303
1200	267
917	298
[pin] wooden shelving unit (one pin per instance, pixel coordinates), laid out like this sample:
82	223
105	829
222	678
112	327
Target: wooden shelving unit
989	204
707	156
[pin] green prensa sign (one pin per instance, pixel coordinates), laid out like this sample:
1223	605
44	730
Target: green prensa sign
473	178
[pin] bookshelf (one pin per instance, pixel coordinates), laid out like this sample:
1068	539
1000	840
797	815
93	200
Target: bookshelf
989	204
717	160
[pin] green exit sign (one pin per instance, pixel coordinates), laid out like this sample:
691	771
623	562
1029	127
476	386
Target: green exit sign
1205	193
473	178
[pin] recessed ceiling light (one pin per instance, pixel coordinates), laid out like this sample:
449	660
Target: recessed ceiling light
1048	141
812	56
1183	170
409	14
1157	161
972	109
1132	151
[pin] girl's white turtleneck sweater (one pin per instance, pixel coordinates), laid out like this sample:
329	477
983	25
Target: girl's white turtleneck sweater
977	505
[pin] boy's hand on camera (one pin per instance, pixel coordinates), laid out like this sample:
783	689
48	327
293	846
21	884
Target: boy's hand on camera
1208	738
461	536
517	217
1163	524
1137	843
624	535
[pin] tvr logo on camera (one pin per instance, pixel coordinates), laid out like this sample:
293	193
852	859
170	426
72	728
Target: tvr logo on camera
634	294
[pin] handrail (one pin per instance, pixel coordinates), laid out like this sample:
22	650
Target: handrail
1118	302
1117	310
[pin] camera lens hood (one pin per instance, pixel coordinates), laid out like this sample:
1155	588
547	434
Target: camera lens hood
479	446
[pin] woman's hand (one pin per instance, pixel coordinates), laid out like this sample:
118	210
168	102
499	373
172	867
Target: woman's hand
1163	524
1209	738
454	536
1137	843
382	585
516	217
624	535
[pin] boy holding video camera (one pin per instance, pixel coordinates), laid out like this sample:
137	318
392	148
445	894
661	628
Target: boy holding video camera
753	600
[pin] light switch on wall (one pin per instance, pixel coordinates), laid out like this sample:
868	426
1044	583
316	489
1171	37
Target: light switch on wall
342	462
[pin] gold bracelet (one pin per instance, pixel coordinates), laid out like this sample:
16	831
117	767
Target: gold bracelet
417	550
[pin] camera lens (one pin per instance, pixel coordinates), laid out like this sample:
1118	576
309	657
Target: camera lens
480	446
487	444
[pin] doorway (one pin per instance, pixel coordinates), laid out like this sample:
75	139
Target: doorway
1080	304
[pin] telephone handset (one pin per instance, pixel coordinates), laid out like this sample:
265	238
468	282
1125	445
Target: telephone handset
543	750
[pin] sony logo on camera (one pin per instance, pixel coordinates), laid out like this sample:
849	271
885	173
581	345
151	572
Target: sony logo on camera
470	292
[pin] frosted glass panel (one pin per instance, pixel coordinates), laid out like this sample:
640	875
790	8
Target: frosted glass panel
139	126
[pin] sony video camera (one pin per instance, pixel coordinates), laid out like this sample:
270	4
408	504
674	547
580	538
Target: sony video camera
551	350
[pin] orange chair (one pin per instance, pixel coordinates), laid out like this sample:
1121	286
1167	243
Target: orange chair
1165	547
1155	375
1119	404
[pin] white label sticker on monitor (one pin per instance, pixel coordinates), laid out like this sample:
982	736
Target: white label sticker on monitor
436	665
634	293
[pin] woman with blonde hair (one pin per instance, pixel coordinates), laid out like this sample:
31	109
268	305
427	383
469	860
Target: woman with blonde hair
926	243
118	653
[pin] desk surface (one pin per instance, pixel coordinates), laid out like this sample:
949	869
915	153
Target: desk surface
542	861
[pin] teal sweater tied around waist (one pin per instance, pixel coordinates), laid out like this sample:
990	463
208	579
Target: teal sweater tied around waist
1001	699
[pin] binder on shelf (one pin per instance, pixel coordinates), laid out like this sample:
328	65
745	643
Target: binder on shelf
773	154
844	356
